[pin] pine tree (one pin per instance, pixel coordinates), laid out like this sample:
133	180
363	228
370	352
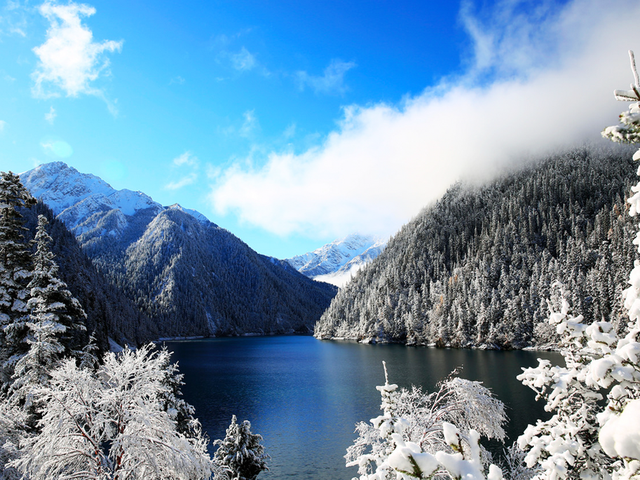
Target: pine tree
54	326
50	300
241	452
15	260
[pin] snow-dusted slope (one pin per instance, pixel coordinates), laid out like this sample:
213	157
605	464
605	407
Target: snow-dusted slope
186	274
336	262
83	201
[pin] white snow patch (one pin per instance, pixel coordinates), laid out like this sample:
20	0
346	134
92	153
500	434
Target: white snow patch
620	435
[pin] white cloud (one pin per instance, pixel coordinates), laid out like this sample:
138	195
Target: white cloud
249	125
2	125
331	81
13	19
69	60
183	182
51	115
187	158
178	80
185	161
289	132
243	60
544	85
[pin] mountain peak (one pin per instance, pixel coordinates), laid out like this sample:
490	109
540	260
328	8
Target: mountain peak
75	196
335	262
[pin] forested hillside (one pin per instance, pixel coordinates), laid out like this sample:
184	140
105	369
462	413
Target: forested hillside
477	268
199	279
109	312
186	274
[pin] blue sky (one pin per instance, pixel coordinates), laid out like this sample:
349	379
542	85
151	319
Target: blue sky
292	123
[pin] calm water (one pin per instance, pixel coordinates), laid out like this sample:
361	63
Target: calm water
304	396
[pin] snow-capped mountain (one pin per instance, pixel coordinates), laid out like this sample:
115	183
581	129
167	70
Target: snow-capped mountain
82	201
186	274
337	261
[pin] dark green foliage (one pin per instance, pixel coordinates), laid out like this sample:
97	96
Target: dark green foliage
15	271
477	267
50	300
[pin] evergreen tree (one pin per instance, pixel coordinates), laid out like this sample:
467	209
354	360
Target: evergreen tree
180	411
474	269
54	326
15	260
241	452
50	300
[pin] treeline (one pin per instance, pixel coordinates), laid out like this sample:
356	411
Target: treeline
477	268
184	274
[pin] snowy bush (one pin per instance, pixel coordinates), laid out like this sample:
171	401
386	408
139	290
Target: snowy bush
112	424
420	435
584	438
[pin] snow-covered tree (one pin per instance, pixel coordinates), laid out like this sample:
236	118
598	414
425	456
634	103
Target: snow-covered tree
111	424
54	329
420	435
566	445
15	266
50	300
171	398
12	426
585	439
240	452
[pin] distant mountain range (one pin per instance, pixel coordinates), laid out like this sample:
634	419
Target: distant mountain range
186	274
338	261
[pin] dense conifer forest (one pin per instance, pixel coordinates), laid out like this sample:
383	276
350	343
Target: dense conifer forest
199	279
477	268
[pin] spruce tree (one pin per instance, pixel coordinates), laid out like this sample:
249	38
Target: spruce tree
241	452
51	301
55	327
15	271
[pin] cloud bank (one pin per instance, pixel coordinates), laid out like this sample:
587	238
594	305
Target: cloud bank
69	60
537	79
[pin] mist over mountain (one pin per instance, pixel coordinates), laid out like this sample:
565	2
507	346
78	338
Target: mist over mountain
477	267
338	261
189	276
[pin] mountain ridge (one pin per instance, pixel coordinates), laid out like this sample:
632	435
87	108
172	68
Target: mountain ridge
188	275
338	261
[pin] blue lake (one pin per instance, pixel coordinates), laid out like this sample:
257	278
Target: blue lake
304	396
